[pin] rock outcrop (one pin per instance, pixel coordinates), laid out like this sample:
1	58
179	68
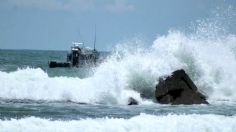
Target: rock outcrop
132	101
178	89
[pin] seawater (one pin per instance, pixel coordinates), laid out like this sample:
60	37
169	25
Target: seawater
36	98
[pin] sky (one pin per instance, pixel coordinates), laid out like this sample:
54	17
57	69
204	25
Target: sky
54	24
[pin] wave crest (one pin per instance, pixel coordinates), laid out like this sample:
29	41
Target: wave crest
143	122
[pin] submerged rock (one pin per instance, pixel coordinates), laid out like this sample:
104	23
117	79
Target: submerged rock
132	101
178	89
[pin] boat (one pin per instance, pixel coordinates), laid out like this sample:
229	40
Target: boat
79	56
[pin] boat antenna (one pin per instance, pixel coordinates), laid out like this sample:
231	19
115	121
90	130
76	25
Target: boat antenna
94	43
81	37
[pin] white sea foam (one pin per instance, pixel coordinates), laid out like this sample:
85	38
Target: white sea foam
36	85
128	72
208	55
141	123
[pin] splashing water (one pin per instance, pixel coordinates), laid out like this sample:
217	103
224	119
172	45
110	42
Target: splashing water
209	62
208	55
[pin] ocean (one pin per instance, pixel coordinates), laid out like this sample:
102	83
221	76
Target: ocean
35	98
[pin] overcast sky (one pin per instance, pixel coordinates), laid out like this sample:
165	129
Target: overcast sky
54	24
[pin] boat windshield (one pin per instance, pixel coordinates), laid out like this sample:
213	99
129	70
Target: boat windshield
77	45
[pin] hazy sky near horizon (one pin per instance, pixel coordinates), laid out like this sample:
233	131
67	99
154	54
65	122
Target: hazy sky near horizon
54	24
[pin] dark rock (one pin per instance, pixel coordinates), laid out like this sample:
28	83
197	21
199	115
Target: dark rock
178	89
132	101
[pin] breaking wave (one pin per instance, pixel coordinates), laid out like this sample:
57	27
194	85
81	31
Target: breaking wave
208	55
143	122
128	73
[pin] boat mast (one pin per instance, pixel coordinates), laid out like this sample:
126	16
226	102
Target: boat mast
94	43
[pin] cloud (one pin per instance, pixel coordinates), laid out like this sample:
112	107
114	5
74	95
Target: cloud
119	6
68	5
